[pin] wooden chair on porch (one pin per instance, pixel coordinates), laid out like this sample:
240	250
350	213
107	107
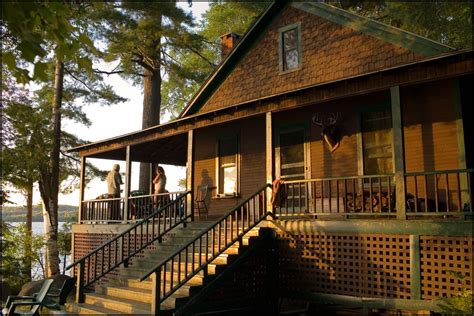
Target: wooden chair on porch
33	302
200	199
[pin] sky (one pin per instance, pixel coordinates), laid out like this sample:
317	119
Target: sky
112	121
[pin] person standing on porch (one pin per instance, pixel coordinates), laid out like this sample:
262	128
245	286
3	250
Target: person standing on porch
114	180
159	183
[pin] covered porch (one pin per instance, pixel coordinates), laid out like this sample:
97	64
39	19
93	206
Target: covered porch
134	205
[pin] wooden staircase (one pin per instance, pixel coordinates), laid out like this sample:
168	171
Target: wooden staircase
123	293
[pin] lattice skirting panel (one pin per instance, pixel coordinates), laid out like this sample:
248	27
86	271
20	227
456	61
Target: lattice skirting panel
446	265
372	265
363	265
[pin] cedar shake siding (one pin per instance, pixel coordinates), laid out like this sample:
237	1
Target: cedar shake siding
251	133
429	121
329	52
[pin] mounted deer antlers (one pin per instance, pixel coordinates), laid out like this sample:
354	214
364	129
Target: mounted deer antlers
329	132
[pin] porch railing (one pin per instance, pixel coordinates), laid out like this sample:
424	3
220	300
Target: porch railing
195	256
446	193
120	249
439	192
361	195
112	210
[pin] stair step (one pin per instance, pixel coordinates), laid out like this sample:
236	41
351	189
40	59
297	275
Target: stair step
184	290
136	273
89	309
140	295
117	304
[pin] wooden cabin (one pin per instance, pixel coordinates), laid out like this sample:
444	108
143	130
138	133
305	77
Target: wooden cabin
365	125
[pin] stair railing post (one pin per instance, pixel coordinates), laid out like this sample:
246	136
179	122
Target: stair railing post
155	292
80	283
269	160
190	175
128	170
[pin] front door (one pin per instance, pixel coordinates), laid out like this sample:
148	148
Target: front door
291	166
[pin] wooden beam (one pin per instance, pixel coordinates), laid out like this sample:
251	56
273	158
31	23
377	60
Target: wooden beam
126	192
190	174
398	152
82	186
269	156
415	267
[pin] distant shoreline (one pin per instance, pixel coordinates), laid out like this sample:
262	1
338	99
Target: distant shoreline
18	213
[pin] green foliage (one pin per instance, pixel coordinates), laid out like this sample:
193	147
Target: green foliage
447	22
16	253
221	18
140	35
31	30
65	241
462	302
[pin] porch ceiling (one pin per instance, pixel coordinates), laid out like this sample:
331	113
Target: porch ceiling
170	150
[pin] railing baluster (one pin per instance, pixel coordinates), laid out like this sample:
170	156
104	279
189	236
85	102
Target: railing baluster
469	192
447	192
380	194
346	206
416	193
459	191
330	196
371	195
389	194
425	180
436	192
337	196
354	194
322	196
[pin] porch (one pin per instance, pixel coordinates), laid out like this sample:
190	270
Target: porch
437	194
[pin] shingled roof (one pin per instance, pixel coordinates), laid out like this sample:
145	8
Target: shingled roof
418	44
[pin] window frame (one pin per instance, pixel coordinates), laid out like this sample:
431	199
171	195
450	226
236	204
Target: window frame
360	143
219	190
281	56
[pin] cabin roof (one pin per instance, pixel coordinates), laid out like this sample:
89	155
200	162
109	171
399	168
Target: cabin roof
418	44
108	148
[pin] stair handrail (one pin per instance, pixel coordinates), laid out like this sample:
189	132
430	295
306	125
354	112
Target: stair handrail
155	272
170	215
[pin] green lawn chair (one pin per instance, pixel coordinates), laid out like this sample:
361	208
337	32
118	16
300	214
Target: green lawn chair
34	302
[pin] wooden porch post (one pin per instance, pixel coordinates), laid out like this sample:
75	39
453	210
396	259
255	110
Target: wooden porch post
151	190
190	175
81	187
398	152
126	191
269	156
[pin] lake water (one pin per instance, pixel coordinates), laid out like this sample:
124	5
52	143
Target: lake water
38	229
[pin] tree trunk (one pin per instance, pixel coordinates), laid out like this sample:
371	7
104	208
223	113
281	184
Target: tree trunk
29	228
49	184
151	115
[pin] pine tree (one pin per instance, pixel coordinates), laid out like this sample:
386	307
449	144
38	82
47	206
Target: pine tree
141	35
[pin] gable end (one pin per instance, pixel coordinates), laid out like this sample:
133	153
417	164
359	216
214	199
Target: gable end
415	43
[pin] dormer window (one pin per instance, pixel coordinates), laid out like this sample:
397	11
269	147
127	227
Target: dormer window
290	47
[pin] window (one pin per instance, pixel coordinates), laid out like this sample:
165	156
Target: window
290	48
377	142
228	169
